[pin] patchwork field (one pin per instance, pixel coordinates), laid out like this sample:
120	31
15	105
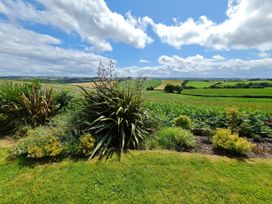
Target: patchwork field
165	82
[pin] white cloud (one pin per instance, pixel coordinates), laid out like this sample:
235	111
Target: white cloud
91	19
24	52
144	61
248	25
199	66
263	54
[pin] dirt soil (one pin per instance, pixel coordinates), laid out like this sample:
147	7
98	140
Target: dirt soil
6	143
262	149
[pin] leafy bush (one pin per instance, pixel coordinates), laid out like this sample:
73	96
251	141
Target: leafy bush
176	138
39	143
87	144
254	126
224	139
183	121
27	104
234	119
172	89
150	88
114	115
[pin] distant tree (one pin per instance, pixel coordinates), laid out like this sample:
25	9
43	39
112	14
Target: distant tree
169	88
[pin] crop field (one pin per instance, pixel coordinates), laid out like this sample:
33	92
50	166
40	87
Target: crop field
211	102
250	93
165	82
207	83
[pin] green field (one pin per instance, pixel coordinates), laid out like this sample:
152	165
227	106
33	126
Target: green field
264	92
207	83
165	82
141	177
211	102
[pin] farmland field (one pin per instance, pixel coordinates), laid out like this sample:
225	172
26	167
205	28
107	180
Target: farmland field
165	82
265	92
207	83
211	102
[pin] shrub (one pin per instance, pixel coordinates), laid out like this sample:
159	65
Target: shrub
172	89
150	88
27	104
39	143
254	126
183	121
114	115
176	138
87	144
224	139
234	119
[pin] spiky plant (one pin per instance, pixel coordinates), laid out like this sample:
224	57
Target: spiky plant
114	115
25	104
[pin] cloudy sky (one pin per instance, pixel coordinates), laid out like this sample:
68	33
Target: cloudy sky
159	38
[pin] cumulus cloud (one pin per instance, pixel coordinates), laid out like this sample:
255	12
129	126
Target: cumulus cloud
248	25
92	20
199	66
24	52
144	61
263	54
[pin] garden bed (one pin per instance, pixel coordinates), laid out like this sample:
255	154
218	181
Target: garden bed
263	149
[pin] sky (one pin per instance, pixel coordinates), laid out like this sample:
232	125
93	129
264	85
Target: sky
154	38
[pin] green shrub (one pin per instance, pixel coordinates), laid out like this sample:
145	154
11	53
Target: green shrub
183	121
114	115
172	89
234	119
150	88
39	143
254	126
87	144
224	139
27	104
176	138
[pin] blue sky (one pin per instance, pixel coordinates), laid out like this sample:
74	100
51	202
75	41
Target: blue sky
159	38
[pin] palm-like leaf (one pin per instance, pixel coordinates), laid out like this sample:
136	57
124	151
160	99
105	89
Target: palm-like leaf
115	116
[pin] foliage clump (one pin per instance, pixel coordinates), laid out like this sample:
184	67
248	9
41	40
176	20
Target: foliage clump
24	104
176	138
39	143
226	140
114	115
183	121
150	88
169	88
87	144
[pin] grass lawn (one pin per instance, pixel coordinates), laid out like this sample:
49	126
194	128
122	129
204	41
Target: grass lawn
141	177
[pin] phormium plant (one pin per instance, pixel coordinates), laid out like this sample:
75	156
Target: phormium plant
114	115
26	104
